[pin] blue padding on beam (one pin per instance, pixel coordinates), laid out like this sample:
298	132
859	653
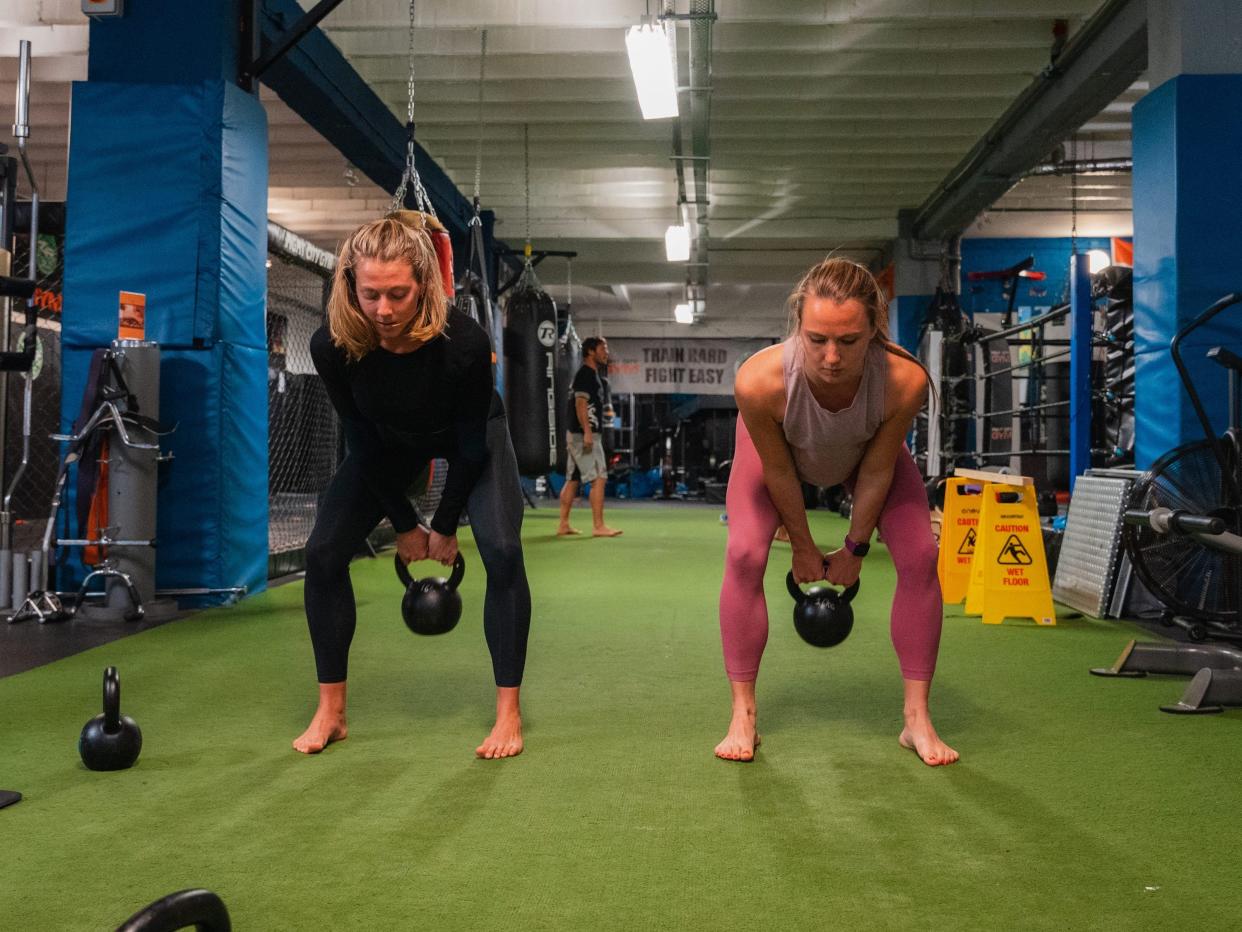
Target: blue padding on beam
213	495
241	219
136	178
169	191
1081	350
1187	196
163	178
157	42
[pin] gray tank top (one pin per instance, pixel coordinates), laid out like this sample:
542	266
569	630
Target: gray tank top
828	445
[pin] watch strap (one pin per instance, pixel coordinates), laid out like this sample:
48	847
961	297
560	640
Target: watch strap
856	548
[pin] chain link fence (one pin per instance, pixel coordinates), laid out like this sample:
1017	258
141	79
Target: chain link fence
304	437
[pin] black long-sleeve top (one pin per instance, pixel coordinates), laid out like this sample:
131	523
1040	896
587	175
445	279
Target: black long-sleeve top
401	410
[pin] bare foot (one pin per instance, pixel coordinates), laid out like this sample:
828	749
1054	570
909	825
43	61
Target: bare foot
504	741
921	738
566	531
743	737
324	728
606	531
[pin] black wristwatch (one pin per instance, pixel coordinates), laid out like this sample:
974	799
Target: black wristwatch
857	549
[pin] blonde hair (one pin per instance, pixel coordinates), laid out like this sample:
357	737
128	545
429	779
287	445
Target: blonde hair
394	238
839	279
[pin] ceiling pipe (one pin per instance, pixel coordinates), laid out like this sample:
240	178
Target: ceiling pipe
1083	167
1105	56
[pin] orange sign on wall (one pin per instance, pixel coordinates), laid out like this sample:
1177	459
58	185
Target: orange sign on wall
133	316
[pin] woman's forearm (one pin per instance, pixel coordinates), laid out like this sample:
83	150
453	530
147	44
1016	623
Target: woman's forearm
870	493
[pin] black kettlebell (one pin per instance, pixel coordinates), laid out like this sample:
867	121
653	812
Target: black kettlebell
431	605
202	909
110	741
822	615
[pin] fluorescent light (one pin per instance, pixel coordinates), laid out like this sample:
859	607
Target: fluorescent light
677	243
1097	260
651	60
683	314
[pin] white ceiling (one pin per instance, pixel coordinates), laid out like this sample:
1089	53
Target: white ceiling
827	117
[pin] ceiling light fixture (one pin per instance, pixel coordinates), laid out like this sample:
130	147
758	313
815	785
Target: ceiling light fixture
1098	260
677	243
650	47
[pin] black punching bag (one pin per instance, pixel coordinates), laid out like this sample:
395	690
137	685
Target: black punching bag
569	359
530	376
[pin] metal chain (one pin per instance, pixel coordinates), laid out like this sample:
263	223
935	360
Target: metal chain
410	173
478	152
526	163
569	283
1073	197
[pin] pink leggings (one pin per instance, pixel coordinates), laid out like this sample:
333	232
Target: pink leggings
905	524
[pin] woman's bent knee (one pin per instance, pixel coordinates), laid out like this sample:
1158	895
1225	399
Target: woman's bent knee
746	561
324	560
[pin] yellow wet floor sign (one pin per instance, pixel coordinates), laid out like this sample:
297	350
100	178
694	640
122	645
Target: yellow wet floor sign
958	537
1009	571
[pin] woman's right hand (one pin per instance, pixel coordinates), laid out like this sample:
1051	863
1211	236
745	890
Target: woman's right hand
412	545
808	564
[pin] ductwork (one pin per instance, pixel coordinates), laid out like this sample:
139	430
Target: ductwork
1083	167
692	132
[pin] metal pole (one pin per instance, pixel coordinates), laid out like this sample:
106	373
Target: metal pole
935	365
1081	348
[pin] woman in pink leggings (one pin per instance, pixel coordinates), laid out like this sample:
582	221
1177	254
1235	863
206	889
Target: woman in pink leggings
831	404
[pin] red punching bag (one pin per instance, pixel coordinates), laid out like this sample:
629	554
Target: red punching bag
440	240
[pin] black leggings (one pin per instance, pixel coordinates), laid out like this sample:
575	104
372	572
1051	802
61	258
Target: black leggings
348	513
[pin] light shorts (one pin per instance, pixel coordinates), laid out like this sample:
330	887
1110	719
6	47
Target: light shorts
583	466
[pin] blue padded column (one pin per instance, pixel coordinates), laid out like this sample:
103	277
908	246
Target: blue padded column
1187	239
168	196
1081	315
1187	200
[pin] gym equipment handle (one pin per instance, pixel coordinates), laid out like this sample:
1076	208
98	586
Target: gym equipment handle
22	288
1164	521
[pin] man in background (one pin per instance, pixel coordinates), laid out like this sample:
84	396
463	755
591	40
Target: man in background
584	442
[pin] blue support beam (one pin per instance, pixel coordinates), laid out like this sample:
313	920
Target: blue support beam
1081	318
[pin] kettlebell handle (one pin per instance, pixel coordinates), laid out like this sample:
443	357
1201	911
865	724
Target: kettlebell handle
799	595
112	700
794	589
455	578
459	571
403	572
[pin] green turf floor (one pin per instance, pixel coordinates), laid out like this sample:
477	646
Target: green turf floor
1077	804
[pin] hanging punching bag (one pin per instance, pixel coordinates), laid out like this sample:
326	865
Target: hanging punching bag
568	361
530	349
419	220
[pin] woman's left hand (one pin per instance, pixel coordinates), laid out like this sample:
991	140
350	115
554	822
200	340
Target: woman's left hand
841	568
442	548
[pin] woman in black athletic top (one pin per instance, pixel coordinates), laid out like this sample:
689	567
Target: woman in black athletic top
411	380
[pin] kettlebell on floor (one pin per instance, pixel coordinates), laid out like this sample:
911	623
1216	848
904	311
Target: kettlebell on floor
110	740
